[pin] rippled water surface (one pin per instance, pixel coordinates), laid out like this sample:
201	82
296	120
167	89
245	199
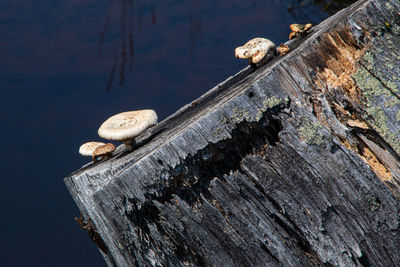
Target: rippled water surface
65	66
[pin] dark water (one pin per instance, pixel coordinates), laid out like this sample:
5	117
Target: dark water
65	66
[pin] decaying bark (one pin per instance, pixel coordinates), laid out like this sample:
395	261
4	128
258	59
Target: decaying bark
295	163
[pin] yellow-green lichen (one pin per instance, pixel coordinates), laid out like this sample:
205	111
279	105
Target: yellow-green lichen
223	120
392	8
218	133
369	85
373	202
390	103
389	64
376	116
368	59
393	86
398	116
310	132
388	6
239	115
396	29
270	102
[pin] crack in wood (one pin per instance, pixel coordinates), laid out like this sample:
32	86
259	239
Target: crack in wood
341	58
192	177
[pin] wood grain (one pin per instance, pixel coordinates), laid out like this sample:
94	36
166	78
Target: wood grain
295	163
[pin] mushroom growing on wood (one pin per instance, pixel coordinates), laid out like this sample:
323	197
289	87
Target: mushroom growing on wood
126	126
257	50
283	49
87	148
103	151
299	30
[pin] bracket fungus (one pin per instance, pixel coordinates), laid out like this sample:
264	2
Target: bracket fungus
126	126
87	148
257	50
299	30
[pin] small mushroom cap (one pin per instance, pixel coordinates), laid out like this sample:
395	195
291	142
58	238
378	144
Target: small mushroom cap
104	149
87	148
256	49
127	125
300	28
307	26
283	49
293	35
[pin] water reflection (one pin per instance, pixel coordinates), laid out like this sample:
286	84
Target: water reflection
312	10
123	56
153	13
196	31
333	6
121	16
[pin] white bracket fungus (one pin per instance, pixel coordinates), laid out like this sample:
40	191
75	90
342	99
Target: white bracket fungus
257	50
126	126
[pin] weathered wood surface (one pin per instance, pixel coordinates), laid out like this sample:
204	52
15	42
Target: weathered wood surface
293	164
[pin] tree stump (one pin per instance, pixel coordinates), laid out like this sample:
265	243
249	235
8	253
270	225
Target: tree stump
295	163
